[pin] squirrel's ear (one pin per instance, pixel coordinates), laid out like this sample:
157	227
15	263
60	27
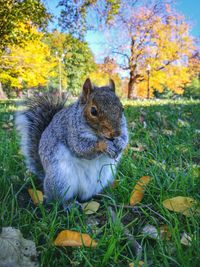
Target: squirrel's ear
112	85
87	90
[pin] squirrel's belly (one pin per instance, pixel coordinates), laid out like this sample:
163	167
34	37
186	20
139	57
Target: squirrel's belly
86	178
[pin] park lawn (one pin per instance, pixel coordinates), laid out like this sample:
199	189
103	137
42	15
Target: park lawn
167	135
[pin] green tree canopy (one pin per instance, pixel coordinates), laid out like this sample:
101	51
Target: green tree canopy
16	12
77	60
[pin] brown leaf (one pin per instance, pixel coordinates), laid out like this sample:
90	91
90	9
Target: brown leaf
115	184
67	238
184	205
138	191
165	233
36	196
90	207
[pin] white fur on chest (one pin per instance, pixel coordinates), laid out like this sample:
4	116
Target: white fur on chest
85	178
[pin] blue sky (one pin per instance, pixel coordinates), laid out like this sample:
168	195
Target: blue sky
189	8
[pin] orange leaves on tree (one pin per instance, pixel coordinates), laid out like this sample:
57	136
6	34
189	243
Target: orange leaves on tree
67	238
138	191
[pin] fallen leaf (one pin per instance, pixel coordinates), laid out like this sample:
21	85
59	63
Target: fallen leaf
15	250
67	238
139	264
7	126
115	184
182	123
167	132
36	196
90	207
138	147
186	239
165	233
138	191
184	205
133	125
150	231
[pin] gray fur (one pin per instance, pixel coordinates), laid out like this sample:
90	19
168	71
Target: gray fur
67	148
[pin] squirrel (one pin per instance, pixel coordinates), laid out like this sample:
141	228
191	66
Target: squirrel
75	149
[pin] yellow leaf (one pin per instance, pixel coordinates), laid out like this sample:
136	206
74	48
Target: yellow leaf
90	207
67	238
184	205
138	191
139	264
36	196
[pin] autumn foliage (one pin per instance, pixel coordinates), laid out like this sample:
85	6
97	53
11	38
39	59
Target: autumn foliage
154	47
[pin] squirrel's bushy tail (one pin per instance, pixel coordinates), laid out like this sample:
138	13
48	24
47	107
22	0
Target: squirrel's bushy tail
31	123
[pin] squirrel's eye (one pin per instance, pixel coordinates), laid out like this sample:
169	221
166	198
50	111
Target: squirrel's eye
93	111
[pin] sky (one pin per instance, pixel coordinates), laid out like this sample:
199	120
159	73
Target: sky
189	8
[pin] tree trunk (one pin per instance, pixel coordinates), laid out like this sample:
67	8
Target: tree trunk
131	89
2	94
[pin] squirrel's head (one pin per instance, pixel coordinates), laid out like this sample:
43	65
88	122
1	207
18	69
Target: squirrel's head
102	109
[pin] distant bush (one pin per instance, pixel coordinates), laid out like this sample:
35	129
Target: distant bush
192	90
166	94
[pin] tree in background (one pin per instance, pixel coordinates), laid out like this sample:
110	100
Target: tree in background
27	66
78	60
153	45
106	70
150	41
17	17
79	16
193	88
14	12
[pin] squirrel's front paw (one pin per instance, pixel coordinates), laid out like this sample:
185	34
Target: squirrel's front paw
111	150
119	144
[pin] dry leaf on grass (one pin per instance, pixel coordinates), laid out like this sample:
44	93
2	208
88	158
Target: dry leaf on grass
186	239
115	184
15	250
7	126
167	132
67	238
90	207
36	196
139	264
150	231
165	233
138	191
139	148
184	205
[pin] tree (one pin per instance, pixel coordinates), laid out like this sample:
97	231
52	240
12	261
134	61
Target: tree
152	37
106	70
15	12
78	16
27	66
77	59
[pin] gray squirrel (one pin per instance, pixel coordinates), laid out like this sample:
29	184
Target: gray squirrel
75	149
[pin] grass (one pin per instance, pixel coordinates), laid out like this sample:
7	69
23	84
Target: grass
168	132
